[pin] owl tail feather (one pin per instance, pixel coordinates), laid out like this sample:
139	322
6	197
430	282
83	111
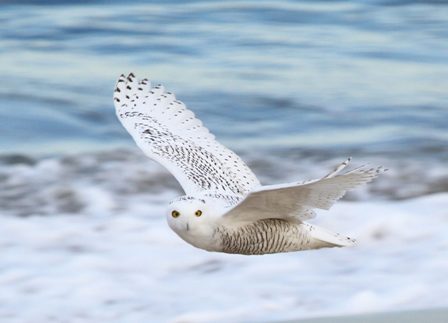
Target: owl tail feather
322	238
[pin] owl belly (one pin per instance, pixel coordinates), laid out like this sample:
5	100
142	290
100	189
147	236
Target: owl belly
268	236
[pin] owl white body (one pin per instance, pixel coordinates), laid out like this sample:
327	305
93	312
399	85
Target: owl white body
271	235
226	209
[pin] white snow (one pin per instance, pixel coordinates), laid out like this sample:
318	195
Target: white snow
130	267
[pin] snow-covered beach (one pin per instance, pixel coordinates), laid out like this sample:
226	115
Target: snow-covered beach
95	250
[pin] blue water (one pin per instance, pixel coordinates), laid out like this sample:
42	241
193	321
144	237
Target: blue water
292	86
369	76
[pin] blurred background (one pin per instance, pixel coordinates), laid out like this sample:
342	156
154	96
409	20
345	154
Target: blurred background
294	87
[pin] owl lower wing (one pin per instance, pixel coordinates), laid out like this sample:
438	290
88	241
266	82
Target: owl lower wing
169	133
297	201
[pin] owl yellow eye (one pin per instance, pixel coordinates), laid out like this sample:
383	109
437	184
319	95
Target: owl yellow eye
175	214
198	213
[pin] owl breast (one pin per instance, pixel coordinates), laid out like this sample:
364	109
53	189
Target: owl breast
264	236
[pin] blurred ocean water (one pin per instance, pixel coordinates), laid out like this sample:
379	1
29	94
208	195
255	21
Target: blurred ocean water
323	75
295	87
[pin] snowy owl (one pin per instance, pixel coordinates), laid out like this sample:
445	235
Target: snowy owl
225	208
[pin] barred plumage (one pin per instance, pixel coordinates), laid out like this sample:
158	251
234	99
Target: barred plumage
269	236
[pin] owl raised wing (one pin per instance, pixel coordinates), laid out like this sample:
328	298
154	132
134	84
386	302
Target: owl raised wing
170	133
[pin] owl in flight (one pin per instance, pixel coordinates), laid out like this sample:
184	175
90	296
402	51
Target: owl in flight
225	208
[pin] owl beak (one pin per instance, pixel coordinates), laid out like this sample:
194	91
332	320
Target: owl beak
188	227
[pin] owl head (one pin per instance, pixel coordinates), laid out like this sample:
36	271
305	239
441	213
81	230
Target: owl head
191	218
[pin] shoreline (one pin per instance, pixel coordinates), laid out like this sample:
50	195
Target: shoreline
435	315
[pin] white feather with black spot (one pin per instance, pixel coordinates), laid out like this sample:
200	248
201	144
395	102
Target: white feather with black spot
171	134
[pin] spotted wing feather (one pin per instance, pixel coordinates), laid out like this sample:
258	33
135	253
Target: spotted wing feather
170	133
